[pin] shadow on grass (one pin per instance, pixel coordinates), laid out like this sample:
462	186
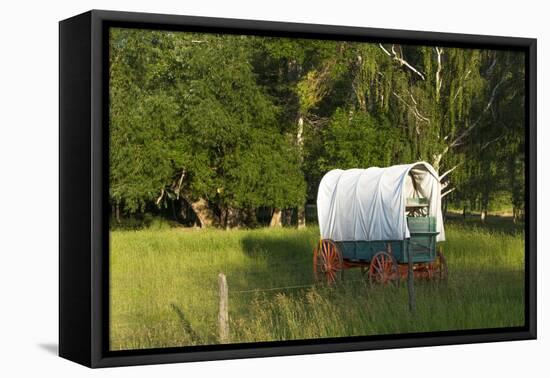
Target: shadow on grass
277	259
275	246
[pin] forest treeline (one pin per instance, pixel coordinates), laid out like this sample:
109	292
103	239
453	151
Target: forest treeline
221	127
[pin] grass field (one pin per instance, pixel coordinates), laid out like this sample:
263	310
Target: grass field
164	287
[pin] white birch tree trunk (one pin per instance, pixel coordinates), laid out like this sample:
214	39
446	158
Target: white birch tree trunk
301	213
276	218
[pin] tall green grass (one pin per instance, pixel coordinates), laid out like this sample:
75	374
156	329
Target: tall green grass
164	288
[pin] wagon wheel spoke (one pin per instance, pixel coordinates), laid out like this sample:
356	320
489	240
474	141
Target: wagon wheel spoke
328	262
382	269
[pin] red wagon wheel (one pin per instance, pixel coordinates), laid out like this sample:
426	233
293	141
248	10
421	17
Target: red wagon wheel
328	263
383	269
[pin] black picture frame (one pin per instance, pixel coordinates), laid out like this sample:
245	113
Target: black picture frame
83	195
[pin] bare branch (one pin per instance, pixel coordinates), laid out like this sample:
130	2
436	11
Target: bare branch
413	109
401	60
160	197
468	130
383	49
437	158
461	86
448	171
459	140
438	80
487	144
413	100
490	69
447	192
180	183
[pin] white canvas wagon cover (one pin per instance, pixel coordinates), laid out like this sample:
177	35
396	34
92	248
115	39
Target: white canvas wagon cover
369	204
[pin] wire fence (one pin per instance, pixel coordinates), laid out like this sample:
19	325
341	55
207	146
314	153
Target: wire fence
462	275
213	291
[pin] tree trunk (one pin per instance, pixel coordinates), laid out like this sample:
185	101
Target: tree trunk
301	214
286	217
184	211
515	214
484	206
117	213
276	218
203	212
232	218
250	218
483	215
301	217
173	207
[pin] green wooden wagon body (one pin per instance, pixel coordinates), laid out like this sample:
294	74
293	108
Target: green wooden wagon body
422	244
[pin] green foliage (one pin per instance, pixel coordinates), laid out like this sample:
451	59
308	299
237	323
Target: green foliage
186	103
357	139
247	122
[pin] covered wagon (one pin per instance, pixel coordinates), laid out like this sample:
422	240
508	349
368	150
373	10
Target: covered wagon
376	218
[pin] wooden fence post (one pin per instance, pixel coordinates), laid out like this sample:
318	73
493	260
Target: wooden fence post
410	282
223	316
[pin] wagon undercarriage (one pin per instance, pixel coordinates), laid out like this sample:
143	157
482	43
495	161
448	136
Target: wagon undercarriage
329	265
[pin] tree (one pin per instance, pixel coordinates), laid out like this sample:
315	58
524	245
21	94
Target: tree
143	120
193	104
228	124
